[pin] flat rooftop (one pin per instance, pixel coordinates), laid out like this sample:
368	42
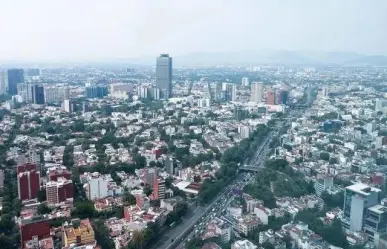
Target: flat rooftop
379	209
362	189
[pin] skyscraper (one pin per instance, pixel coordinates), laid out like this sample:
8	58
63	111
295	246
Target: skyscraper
256	92
38	94
15	76
3	82
164	75
270	99
245	81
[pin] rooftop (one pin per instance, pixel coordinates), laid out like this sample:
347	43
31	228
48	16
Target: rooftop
362	189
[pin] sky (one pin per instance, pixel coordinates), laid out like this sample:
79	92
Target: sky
117	29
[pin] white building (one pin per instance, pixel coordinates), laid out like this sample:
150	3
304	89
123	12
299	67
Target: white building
97	187
256	92
245	81
243	244
3	82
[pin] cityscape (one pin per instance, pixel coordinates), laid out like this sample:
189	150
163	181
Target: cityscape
268	149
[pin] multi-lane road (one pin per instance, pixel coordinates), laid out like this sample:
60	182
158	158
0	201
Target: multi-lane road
177	236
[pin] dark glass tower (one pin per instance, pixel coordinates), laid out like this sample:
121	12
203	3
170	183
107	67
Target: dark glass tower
15	76
164	75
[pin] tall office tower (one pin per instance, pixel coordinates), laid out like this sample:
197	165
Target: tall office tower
234	92
245	81
3	82
164	75
283	97
256	92
38	94
28	181
67	102
15	76
358	198
270	100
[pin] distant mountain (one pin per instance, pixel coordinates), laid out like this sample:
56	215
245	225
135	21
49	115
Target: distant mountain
285	57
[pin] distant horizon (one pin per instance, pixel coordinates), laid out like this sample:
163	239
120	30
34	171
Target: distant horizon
174	56
94	30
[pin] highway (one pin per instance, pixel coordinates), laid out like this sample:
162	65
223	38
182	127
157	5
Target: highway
178	236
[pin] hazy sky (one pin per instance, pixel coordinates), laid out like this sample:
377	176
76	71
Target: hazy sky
96	29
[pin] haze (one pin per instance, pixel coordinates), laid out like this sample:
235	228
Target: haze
100	29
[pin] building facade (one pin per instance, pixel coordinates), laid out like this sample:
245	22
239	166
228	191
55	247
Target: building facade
15	76
256	92
164	75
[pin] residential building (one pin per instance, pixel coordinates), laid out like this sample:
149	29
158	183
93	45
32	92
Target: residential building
256	92
270	99
96	187
28	180
54	173
67	105
240	113
3	82
96	91
322	184
245	81
358	198
78	232
243	244
15	76
59	191
54	94
164	75
375	222
247	223
34	227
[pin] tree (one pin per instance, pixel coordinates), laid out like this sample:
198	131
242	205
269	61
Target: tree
324	156
42	195
102	235
129	199
43	209
147	190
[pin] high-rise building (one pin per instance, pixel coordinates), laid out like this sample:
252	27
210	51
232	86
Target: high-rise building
142	91
67	105
97	188
158	189
54	173
164	75
358	198
59	191
54	94
1	179
38	94
15	76
169	165
256	92
245	81
283	97
28	179
216	91
270	99
96	91
244	131
3	82
240	113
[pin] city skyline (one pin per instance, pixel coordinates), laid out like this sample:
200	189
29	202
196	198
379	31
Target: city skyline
130	29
